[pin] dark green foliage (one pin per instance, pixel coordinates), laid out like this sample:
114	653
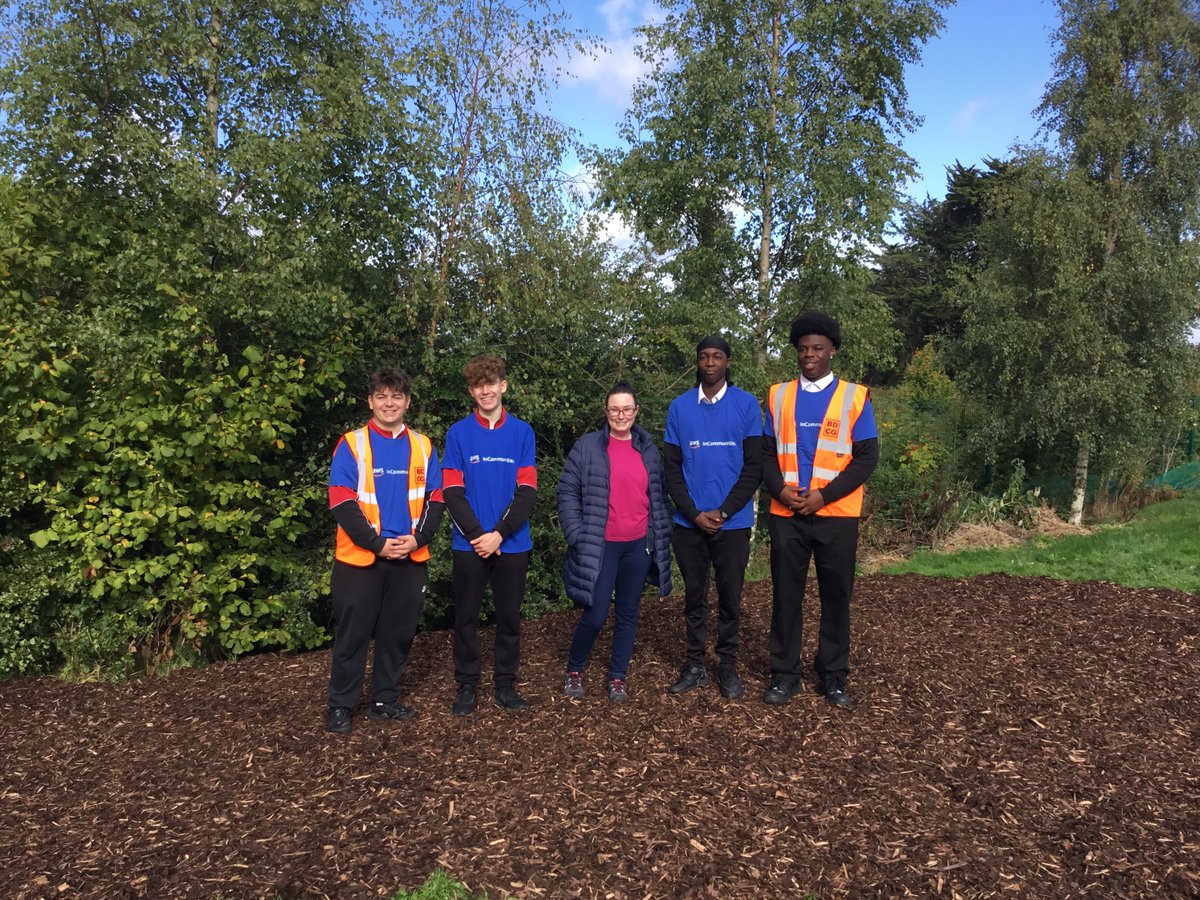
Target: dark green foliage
182	271
938	239
921	452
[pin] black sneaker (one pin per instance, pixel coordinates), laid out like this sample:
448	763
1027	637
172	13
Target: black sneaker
337	720
573	685
730	683
780	692
690	678
464	703
616	690
508	698
835	692
390	712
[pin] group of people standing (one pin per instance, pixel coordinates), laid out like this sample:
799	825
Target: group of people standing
388	493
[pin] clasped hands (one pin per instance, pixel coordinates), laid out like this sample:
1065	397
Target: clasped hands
804	503
398	547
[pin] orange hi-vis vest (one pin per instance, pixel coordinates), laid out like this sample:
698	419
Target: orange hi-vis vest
359	443
833	443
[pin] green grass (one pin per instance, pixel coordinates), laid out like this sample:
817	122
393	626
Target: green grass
438	886
1159	547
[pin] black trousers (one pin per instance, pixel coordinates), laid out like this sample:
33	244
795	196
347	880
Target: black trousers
831	542
726	553
381	601
505	572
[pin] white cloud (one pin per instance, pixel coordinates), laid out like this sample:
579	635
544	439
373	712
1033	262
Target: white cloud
966	115
618	15
613	72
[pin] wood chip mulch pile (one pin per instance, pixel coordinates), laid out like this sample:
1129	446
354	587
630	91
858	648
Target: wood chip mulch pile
1011	737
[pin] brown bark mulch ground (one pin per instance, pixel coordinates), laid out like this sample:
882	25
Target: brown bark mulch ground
1011	737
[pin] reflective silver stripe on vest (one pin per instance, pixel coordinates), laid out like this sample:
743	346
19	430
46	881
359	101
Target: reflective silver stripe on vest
360	448
777	412
825	474
361	445
790	476
842	444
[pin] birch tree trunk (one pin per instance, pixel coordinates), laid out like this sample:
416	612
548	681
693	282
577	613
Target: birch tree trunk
1081	474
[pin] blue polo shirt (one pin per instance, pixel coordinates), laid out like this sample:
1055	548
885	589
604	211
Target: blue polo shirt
710	437
490	462
811	407
390	457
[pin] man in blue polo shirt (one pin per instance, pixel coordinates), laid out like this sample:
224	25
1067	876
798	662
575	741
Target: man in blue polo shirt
490	481
713	461
385	494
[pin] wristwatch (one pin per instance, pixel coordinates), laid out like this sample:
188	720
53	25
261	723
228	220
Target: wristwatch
724	515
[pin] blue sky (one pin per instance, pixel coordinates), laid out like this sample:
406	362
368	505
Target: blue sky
977	85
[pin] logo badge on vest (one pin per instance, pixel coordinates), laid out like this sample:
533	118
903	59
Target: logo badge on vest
831	428
419	475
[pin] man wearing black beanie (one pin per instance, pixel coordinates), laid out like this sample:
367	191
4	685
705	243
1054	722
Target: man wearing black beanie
820	446
713	461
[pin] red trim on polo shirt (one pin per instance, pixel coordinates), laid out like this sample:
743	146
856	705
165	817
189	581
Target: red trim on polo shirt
488	425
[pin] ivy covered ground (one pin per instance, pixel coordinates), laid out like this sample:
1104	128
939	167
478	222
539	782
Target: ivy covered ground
1011	737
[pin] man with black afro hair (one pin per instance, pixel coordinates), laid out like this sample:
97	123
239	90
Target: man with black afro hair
816	323
820	446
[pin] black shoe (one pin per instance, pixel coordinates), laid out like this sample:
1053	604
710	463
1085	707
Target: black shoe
390	712
835	692
337	720
731	684
690	678
780	692
508	698
616	690
464	703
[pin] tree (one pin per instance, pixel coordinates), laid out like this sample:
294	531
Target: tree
763	153
1076	331
936	238
480	71
204	191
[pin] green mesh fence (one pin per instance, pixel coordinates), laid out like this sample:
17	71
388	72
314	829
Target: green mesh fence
1181	478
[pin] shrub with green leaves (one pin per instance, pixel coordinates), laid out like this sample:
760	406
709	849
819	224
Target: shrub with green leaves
183	264
919	468
28	611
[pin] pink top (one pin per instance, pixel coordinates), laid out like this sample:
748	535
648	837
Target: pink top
628	493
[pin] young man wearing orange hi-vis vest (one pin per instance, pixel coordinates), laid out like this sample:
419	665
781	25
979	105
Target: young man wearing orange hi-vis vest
820	447
385	491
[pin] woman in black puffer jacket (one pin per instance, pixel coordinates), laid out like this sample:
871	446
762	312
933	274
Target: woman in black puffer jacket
614	511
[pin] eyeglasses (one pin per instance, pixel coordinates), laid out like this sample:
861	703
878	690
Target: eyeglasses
623	412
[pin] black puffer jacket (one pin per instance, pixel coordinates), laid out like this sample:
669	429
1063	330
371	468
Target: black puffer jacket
583	513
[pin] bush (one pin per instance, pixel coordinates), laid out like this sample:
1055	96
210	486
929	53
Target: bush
28	609
919	473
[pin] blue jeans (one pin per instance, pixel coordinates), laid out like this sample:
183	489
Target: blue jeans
623	570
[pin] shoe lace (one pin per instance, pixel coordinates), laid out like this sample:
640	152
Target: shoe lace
574	680
617	685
